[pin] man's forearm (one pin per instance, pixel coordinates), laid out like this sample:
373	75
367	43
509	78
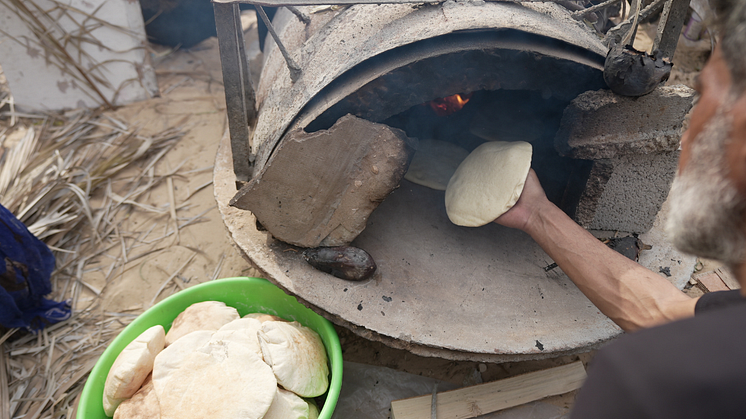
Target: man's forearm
632	296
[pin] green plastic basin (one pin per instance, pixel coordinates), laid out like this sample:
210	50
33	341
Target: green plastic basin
247	295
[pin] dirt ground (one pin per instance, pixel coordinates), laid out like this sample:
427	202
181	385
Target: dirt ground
192	99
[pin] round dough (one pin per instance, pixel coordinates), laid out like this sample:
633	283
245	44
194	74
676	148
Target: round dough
488	182
434	162
132	367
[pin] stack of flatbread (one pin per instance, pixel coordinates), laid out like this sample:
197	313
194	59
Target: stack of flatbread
214	364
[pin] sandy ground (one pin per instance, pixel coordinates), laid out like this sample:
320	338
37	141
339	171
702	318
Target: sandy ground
192	99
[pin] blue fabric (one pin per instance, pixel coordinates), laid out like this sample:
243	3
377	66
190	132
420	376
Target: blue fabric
25	266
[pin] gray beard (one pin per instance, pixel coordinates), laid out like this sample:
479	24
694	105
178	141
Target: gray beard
706	216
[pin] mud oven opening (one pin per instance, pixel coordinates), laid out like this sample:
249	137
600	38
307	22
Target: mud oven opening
331	144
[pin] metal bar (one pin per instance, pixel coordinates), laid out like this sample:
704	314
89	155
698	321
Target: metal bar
240	99
669	27
295	70
581	13
300	15
619	30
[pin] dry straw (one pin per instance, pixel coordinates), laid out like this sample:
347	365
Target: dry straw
66	46
71	179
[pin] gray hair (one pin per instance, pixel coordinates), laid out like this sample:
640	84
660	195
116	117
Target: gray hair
731	26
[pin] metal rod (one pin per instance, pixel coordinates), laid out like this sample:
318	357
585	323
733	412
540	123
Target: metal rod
623	27
581	13
300	15
295	70
240	99
669	27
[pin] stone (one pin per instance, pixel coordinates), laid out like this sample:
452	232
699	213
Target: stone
318	189
602	125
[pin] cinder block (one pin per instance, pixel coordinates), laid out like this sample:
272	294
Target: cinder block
631	145
601	125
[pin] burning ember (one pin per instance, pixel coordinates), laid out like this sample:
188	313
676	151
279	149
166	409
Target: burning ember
449	105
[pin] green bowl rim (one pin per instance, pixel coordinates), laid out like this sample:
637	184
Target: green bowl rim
334	349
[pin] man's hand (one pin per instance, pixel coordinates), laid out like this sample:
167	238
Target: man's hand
532	199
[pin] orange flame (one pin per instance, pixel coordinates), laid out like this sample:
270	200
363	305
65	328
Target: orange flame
449	105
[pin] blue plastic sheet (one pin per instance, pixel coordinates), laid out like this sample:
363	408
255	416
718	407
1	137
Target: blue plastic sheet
26	264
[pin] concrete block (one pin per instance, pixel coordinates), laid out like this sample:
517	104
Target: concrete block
318	189
631	147
105	39
601	125
626	193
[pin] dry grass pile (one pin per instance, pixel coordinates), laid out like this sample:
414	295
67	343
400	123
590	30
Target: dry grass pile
71	179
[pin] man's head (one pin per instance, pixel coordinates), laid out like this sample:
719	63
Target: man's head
708	198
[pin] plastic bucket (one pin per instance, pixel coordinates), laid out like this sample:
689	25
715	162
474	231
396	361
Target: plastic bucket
247	295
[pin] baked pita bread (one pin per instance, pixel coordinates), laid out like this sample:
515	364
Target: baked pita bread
313	411
131	367
174	355
264	317
488	182
143	405
222	379
287	405
297	357
241	331
206	315
434	163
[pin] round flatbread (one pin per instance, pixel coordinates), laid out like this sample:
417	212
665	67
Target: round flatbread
206	315
287	405
174	355
143	405
132	367
434	163
243	331
297	357
262	317
488	182
223	379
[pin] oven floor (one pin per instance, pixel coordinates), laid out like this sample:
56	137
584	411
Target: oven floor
440	289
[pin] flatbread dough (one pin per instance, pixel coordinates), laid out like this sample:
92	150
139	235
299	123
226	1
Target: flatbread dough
287	405
488	182
297	357
143	405
132	367
206	315
434	163
223	379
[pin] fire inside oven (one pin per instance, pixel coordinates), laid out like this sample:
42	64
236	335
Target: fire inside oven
501	85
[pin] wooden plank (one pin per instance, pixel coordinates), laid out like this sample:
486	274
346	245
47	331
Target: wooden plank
727	278
470	402
711	281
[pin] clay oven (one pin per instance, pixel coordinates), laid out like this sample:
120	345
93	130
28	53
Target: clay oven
336	126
